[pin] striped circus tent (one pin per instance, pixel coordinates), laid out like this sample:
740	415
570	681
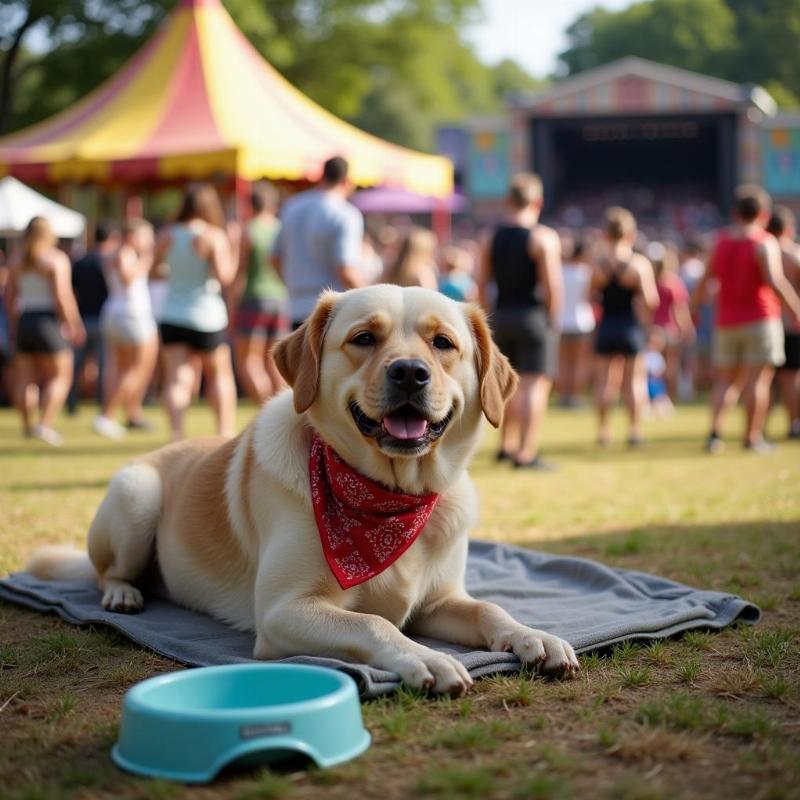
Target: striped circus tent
199	101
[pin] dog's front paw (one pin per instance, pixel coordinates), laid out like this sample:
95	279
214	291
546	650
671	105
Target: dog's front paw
551	655
434	672
122	598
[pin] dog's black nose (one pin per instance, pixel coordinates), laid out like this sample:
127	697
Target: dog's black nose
409	374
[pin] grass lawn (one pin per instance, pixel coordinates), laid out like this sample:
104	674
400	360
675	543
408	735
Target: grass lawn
704	716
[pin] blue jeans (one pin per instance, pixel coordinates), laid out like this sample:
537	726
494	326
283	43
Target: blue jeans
92	346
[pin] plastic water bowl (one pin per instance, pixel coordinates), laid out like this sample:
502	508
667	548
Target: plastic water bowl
186	726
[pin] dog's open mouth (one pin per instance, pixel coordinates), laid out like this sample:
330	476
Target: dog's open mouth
405	428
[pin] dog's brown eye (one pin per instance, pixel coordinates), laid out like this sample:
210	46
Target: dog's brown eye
442	343
363	339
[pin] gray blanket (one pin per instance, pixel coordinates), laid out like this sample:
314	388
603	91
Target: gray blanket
590	605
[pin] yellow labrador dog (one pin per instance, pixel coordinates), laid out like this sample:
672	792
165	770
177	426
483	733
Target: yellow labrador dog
388	388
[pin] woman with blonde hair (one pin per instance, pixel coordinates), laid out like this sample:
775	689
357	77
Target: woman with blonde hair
43	311
194	319
415	264
627	288
129	329
262	316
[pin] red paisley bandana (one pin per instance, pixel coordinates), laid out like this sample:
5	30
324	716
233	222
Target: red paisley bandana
364	527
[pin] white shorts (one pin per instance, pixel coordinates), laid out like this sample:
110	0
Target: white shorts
128	328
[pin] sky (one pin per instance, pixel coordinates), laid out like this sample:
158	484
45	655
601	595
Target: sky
530	31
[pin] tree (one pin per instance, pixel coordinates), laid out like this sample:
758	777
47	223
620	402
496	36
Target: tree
768	32
395	68
740	40
693	34
110	29
510	78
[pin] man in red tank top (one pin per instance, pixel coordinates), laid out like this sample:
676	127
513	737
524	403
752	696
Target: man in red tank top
748	334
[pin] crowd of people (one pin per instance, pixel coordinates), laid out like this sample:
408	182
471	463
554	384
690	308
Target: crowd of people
196	307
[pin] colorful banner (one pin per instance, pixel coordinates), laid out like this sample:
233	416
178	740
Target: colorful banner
489	165
782	161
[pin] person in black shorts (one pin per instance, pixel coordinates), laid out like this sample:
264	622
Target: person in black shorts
194	316
782	225
89	286
523	260
45	316
625	283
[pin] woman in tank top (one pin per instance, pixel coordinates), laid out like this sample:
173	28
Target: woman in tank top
43	310
129	330
262	317
194	318
627	289
577	325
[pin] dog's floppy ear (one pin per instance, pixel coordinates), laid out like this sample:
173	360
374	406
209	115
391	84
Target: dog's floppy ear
297	356
498	381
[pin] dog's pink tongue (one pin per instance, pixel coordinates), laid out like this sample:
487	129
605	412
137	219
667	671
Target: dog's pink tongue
405	426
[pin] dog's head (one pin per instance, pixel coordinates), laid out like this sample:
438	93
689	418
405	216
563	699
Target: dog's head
392	375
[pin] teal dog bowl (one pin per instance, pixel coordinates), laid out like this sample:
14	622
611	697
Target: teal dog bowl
186	726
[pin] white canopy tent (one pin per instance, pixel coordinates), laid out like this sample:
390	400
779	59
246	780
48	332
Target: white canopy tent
19	203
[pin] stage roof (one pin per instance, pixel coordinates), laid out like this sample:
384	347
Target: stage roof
636	85
196	101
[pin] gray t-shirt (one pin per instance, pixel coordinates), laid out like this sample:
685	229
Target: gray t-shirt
319	234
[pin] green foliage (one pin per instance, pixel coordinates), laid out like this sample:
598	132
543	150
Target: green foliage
395	69
749	41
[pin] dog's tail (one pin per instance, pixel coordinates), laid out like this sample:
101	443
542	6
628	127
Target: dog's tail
60	563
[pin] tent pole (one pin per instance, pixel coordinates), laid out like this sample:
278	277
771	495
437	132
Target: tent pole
242	190
442	220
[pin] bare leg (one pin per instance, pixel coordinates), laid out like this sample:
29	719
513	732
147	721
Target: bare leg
790	392
608	374
582	364
535	391
125	358
26	394
724	394
511	423
221	388
565	367
179	378
757	396
146	357
672	356
58	378
634	379
250	354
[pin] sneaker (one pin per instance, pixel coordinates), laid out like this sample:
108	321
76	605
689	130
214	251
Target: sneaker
501	455
108	428
47	435
635	441
760	446
794	430
140	424
714	444
537	463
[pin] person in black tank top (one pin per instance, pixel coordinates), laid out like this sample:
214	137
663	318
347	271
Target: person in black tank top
523	261
623	279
